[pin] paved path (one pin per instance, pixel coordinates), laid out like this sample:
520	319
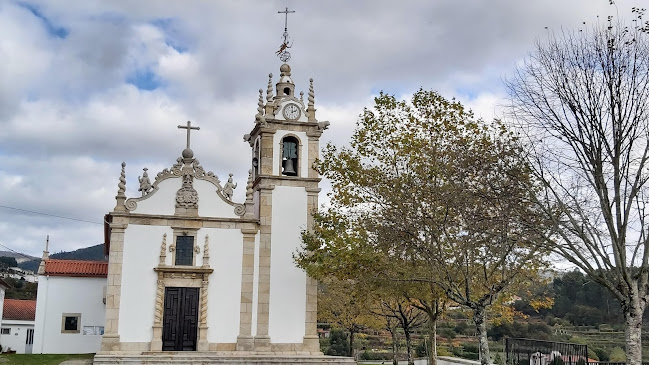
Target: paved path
77	362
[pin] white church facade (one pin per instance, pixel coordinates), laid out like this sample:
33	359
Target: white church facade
191	271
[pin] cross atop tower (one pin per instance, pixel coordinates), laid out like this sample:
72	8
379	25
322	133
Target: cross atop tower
282	53
286	12
189	129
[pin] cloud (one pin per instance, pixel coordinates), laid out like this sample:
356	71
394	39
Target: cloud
87	85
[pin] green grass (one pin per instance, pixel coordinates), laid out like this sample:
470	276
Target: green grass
33	359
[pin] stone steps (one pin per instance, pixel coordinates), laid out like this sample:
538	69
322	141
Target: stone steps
204	358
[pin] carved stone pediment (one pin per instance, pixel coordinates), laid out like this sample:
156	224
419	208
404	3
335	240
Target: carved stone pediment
188	169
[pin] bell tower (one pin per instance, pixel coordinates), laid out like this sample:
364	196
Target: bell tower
285	141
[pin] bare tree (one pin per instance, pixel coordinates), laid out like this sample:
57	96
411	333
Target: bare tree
583	99
407	315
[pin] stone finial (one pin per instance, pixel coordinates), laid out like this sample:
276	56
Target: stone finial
163	250
46	256
259	118
249	191
311	108
302	96
206	252
228	188
249	204
269	91
284	70
121	186
311	93
121	190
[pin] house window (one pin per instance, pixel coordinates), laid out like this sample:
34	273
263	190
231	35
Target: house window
71	323
5	331
290	146
185	250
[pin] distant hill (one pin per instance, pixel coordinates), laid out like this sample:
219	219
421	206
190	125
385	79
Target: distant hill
88	253
20	257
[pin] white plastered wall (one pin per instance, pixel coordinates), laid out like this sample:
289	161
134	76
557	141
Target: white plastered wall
210	203
224	288
2	301
139	281
163	201
303	157
287	305
61	294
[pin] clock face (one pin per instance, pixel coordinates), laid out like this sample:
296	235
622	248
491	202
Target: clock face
292	111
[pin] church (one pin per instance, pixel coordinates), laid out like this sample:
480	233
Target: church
195	277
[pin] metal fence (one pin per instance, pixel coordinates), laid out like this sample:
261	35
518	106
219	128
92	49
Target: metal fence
524	351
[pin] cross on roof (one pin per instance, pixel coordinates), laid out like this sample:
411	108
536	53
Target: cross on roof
189	129
285	12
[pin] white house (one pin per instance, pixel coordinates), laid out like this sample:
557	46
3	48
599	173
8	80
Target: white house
70	306
17	328
3	287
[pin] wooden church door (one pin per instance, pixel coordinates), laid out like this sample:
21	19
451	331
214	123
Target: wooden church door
180	320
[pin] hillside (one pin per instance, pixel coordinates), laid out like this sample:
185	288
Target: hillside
88	253
18	256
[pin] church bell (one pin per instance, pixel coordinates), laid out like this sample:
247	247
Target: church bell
289	167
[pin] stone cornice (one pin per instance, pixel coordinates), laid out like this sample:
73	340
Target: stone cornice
135	216
286	178
273	125
184	269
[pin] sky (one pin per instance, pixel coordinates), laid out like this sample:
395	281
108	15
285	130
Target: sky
87	85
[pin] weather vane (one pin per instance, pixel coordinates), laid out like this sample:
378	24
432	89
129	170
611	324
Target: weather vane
282	53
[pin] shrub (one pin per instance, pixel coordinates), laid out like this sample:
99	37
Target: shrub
443	351
617	355
498	360
602	354
421	350
461	328
470	347
338	344
447	333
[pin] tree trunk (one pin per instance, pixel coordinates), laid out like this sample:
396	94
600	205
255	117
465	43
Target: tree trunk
409	347
351	343
633	330
395	350
480	320
432	353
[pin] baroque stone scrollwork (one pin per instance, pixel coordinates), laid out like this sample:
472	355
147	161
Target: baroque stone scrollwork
203	319
186	196
188	169
239	210
159	302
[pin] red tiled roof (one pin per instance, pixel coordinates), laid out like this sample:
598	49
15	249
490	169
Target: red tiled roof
23	310
76	268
